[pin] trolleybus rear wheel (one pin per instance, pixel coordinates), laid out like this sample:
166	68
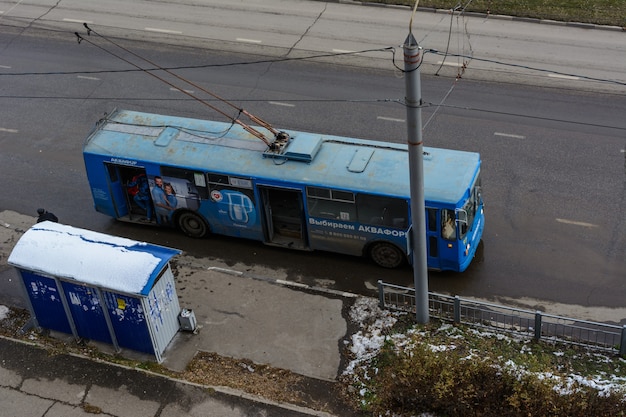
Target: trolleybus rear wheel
386	255
192	225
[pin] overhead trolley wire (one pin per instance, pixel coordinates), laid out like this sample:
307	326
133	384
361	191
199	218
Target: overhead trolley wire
150	72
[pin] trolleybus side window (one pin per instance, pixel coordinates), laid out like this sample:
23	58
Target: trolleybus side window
463	216
186	182
331	204
468	212
218	182
383	211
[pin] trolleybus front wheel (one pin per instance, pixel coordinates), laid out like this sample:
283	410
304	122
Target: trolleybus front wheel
386	255
192	225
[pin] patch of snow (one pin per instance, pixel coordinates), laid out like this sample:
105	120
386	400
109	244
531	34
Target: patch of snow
4	312
375	328
86	256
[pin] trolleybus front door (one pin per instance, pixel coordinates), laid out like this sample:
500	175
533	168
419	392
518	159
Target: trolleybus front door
120	176
117	189
432	238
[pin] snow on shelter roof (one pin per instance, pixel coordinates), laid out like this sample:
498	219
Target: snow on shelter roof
93	258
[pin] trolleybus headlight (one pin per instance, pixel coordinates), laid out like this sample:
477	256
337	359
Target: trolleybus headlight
467	248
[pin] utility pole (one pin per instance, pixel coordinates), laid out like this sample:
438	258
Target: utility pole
413	101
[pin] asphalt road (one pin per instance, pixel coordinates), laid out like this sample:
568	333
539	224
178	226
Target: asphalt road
552	141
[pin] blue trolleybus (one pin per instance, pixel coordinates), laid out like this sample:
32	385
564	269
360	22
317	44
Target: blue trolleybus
302	191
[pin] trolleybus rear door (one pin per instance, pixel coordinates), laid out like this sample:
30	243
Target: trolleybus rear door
283	212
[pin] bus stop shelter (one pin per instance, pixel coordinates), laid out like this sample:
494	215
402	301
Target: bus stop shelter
99	287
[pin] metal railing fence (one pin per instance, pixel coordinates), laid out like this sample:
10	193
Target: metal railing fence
526	323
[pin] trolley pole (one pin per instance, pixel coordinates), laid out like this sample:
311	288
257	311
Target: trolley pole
413	100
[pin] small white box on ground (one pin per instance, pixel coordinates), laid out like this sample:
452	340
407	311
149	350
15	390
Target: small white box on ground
187	320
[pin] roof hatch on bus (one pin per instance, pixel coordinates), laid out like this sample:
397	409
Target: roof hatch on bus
166	136
360	159
299	149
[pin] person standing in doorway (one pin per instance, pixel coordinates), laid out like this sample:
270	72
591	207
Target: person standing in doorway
142	196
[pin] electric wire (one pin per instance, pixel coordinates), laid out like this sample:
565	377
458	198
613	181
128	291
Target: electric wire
527	67
399	101
391	49
241	110
463	63
283	59
204	66
449	37
246	127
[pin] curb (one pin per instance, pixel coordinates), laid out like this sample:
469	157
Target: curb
486	15
285	283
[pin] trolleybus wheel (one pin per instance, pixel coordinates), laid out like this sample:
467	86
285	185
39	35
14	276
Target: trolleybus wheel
386	255
192	225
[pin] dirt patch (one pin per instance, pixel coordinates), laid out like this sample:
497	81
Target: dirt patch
12	321
278	385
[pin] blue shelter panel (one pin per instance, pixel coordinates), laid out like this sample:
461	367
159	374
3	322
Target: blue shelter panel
104	283
87	312
162	310
129	321
46	302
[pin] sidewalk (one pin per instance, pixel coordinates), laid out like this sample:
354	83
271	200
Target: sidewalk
243	317
36	383
238	316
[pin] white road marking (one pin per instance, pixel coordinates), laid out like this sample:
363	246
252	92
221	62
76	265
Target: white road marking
249	40
5	67
84	77
450	64
4	129
174	32
342	51
509	135
575	223
225	270
390	119
77	21
291	283
278	103
178	89
564	77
